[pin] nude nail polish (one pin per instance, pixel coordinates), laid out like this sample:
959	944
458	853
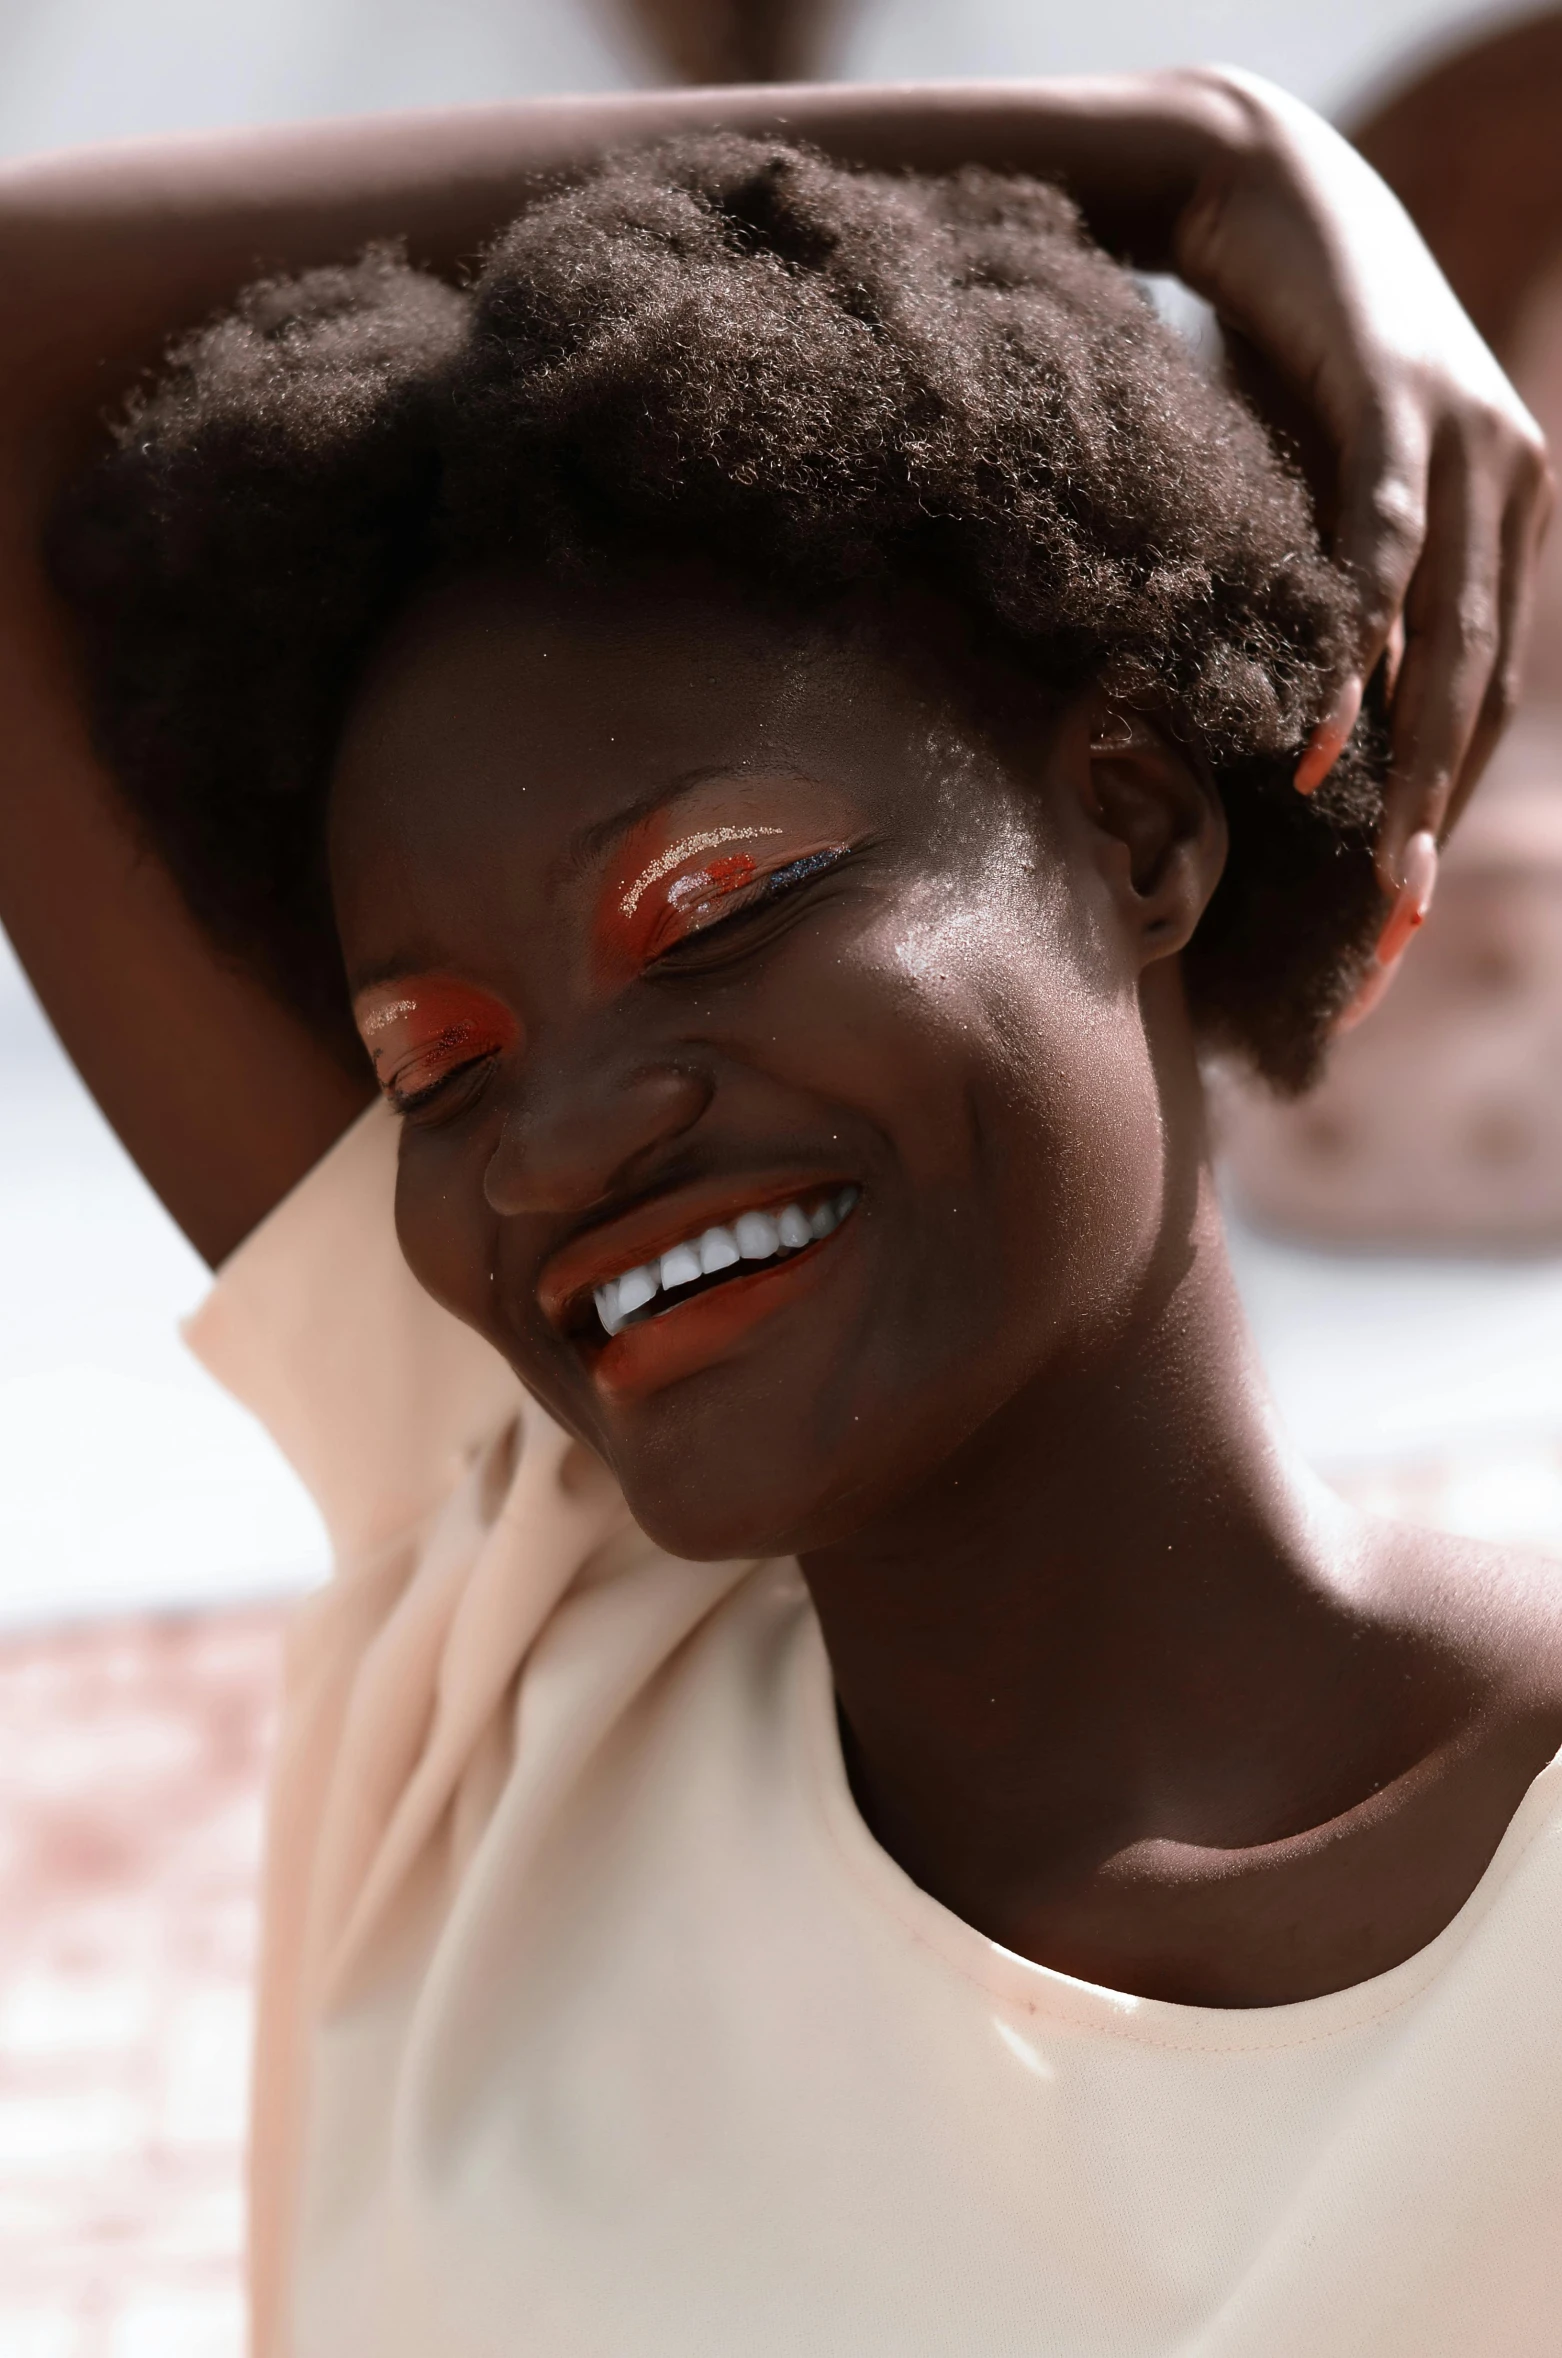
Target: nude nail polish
1372	988
1418	881
1329	739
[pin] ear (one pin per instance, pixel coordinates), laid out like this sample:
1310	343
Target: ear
1157	825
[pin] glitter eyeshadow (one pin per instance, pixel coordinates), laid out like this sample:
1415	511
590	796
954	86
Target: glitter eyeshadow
665	892
419	1032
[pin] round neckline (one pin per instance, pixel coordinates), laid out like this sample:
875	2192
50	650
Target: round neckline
1019	1982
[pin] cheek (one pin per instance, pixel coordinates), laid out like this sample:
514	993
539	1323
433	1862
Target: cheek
1025	1099
986	1007
446	1231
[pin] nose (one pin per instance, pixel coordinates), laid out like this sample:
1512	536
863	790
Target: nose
576	1137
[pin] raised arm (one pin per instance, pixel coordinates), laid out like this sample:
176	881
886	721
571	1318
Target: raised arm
220	1094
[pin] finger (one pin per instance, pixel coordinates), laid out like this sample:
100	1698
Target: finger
1378	541
1523	528
1408	914
1393	656
1330	738
1452	636
1382	527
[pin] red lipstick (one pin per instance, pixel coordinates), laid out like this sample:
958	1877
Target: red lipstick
693	1329
707	1327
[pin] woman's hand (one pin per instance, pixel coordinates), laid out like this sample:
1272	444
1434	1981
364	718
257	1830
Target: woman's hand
1441	486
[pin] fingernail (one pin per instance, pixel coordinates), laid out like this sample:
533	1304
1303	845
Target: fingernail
1372	988
1329	739
1417	883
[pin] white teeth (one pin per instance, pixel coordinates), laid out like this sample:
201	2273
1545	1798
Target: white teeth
681	1266
758	1235
753	1236
637	1287
717	1251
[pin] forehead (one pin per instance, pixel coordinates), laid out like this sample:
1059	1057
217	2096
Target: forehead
500	709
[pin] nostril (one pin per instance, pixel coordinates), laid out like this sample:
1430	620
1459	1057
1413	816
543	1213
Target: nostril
569	1145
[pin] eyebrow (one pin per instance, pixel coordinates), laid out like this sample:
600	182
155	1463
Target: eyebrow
403	966
584	849
588	844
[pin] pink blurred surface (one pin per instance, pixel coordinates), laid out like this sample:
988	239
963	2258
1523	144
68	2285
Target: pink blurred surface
132	1757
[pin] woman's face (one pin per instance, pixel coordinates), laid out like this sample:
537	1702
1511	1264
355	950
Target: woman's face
770	1052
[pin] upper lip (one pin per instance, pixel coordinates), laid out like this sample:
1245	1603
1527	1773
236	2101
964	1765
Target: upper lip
571	1275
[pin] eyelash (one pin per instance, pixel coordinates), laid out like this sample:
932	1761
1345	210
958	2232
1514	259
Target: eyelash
753	901
426	1096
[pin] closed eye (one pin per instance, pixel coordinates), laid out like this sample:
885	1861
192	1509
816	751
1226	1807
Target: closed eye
759	899
442	1093
430	1036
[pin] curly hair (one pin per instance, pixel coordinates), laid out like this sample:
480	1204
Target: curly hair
828	383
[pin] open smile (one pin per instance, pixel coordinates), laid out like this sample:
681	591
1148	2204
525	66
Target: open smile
674	1310
717	1256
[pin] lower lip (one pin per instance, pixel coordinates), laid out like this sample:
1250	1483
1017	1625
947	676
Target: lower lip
706	1328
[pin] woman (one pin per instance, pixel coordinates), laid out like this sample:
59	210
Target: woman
1438	1128
787	698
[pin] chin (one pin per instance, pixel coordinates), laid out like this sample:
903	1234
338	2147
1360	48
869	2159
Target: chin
710	1520
738	1492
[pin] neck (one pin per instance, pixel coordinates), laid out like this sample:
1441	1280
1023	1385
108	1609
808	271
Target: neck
1119	1615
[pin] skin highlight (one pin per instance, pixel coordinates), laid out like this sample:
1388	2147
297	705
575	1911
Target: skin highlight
1117	1682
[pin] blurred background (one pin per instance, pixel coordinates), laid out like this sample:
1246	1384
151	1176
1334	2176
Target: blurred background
1398	1237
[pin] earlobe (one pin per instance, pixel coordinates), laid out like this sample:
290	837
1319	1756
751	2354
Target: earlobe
1160	825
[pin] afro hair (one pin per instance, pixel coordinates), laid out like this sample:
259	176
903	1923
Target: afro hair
828	383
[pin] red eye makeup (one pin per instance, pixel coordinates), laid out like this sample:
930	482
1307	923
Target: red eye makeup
424	1029
681	872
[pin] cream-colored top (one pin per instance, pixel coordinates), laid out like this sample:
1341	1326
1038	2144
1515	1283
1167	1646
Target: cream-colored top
596	2025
